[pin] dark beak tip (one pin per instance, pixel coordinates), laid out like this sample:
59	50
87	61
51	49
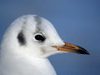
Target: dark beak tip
83	51
87	53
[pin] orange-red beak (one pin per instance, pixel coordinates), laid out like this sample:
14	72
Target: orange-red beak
72	48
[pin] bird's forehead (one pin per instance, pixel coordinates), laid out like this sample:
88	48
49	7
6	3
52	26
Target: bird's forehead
39	26
43	25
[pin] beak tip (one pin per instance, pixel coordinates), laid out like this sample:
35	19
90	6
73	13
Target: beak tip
83	51
88	53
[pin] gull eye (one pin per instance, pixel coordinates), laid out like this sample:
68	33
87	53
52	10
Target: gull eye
39	38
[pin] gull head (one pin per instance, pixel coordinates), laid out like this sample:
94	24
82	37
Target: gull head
35	36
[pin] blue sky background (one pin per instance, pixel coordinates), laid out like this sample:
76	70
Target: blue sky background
76	21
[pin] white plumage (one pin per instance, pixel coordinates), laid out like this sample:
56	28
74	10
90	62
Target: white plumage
26	45
29	58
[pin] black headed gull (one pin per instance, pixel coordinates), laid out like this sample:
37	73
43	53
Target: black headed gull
26	45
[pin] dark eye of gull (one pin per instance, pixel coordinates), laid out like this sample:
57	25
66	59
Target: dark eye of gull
40	38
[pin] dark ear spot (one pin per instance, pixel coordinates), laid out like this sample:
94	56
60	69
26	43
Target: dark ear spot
21	38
